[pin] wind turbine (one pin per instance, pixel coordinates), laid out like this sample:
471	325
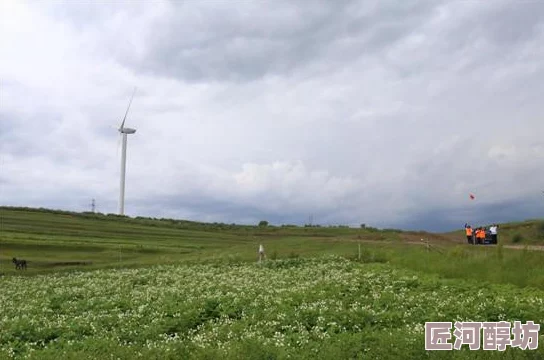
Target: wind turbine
124	132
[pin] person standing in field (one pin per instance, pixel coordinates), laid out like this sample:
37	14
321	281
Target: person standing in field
262	255
478	235
468	231
493	231
482	235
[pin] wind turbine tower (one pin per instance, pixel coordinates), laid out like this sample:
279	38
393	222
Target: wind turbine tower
124	132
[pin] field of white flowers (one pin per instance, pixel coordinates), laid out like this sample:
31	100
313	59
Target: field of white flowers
298	308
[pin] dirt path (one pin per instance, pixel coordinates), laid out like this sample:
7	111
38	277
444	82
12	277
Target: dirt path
421	239
529	247
444	239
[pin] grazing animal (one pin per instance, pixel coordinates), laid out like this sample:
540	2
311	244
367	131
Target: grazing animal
19	264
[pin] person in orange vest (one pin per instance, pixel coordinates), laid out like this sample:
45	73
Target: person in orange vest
481	235
468	231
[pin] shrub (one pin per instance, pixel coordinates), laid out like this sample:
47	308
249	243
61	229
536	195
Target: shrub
369	256
517	238
293	255
540	229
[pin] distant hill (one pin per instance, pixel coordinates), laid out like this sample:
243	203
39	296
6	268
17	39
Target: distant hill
54	239
524	232
18	215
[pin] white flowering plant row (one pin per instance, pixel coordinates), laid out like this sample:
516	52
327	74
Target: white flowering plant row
326	307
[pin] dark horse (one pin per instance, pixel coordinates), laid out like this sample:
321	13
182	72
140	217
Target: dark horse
19	264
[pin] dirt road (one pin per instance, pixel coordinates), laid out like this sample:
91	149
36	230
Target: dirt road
421	239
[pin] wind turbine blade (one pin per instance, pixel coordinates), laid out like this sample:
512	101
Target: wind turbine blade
126	113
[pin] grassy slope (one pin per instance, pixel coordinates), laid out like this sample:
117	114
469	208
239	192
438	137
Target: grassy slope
51	240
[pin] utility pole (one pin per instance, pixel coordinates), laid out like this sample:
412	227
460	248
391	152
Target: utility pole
92	206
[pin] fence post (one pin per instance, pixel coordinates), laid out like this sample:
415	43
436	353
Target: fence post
359	251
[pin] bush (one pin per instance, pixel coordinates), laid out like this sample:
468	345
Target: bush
540	229
517	238
293	255
369	256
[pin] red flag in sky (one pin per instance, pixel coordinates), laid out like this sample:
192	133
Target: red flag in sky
471	197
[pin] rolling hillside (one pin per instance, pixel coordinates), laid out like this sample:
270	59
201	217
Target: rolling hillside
52	240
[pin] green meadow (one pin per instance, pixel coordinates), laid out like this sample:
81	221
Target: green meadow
103	286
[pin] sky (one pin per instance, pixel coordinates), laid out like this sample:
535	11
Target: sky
387	113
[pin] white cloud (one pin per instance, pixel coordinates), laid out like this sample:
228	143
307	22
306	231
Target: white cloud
361	112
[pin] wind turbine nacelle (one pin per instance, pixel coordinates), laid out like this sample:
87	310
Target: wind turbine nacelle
127	131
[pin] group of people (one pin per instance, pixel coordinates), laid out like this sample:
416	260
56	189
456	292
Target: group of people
481	235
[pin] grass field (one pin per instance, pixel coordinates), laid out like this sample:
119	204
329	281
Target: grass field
102	286
51	241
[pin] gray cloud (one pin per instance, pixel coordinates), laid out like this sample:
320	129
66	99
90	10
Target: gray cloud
382	113
248	41
450	219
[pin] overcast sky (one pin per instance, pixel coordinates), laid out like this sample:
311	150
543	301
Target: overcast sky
388	113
